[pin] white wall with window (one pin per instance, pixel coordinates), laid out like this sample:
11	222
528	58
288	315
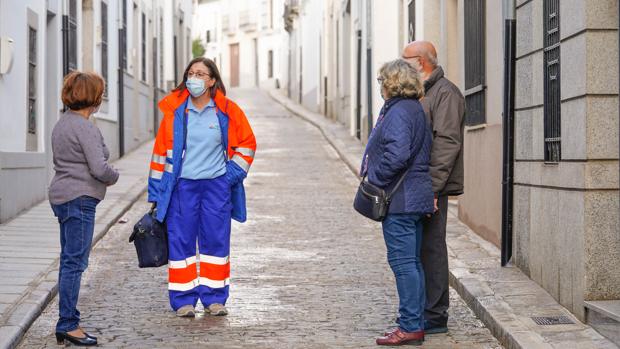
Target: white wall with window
207	28
28	103
51	38
22	88
241	35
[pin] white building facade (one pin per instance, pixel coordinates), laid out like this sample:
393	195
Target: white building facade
244	38
133	44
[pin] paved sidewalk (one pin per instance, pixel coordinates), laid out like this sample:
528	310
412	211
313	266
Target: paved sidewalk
505	299
30	248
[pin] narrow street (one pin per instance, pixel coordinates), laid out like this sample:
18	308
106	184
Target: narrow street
307	270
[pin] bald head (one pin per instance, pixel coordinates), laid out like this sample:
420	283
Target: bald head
422	55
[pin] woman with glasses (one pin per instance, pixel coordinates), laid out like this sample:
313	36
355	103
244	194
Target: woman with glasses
202	153
400	145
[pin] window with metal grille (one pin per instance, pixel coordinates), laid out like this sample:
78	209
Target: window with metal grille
161	49
73	41
124	36
475	72
551	67
411	24
104	46
32	80
143	47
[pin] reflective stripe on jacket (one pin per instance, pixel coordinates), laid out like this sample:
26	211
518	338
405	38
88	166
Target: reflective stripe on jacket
165	167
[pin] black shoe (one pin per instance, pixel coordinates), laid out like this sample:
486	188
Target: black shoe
87	341
430	328
87	334
436	330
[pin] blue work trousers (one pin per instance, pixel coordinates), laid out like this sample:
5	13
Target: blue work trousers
199	214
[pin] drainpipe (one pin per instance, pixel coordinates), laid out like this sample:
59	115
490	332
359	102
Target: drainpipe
369	76
508	129
121	86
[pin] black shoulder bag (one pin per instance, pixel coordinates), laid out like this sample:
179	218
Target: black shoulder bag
373	202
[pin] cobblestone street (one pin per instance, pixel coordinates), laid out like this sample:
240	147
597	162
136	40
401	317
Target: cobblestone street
307	271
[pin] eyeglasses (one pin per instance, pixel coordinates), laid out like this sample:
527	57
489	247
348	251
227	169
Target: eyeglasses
199	75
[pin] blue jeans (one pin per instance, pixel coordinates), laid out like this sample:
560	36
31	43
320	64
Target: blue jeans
403	239
77	224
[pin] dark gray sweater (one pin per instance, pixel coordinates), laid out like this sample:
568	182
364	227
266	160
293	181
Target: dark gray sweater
80	160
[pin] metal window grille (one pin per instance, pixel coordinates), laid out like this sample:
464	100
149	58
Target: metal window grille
475	72
143	47
552	98
73	41
161	50
32	80
411	24
104	45
124	36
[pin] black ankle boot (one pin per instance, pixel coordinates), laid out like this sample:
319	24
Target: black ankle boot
87	341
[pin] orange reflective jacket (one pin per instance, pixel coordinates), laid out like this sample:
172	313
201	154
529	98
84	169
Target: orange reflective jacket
168	151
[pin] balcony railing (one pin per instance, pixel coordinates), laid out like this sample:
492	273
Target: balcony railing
247	20
227	24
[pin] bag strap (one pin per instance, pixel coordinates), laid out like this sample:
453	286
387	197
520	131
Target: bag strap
400	181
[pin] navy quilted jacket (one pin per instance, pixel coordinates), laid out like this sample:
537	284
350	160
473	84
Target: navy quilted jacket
401	140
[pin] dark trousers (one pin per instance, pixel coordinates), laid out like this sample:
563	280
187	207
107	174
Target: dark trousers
77	224
435	263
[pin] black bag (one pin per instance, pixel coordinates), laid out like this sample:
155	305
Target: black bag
373	202
151	240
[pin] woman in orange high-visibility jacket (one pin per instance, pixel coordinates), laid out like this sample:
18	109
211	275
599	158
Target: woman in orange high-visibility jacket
202	153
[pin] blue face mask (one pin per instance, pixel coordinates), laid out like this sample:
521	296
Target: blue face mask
195	86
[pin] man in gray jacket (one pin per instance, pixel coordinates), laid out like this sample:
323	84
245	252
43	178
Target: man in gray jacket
444	106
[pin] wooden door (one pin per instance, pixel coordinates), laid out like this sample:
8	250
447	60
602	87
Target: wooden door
234	65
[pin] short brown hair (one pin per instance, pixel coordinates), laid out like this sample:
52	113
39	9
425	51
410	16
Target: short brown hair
82	90
401	79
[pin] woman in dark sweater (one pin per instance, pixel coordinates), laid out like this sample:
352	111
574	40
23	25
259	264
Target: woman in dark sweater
400	144
82	175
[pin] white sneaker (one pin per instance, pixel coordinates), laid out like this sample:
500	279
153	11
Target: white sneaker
216	309
186	311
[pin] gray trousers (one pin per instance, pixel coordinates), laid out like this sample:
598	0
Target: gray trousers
435	262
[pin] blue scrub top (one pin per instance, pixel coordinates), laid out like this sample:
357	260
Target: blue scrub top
204	153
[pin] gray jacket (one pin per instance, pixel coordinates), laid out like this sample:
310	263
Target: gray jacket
80	160
444	106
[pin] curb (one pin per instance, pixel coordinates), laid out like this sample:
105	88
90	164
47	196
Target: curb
44	289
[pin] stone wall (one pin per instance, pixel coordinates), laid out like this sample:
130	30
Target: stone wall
566	233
